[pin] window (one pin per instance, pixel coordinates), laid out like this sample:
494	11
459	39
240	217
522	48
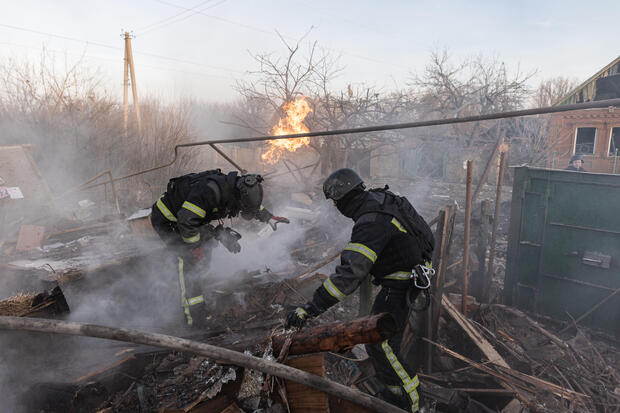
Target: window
614	142
584	142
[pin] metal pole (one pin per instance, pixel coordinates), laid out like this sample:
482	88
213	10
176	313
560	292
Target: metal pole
466	236
615	160
228	158
498	201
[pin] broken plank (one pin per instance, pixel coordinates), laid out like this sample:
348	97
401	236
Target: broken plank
474	334
514	378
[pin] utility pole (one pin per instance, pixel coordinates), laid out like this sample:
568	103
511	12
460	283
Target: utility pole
129	70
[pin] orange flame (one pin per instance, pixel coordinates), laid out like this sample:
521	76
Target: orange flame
296	112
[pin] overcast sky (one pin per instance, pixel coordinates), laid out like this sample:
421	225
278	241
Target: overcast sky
199	48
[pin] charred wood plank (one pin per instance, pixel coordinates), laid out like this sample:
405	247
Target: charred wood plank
339	336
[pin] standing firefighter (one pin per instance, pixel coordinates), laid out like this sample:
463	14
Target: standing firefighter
181	218
389	240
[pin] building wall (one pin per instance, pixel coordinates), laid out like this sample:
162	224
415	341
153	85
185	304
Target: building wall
563	134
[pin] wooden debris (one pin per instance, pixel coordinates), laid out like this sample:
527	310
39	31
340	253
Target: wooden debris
304	399
473	333
516	379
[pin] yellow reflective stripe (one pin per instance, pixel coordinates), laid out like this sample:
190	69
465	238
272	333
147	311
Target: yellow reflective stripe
333	290
397	225
184	303
398	275
194	208
192	240
415	382
165	211
362	249
196	300
301	313
410	385
261	208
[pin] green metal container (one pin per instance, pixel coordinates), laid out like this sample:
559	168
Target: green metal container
564	245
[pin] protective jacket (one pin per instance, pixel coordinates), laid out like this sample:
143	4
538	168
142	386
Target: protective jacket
193	200
380	245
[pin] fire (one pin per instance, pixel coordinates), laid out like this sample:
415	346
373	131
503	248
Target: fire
296	112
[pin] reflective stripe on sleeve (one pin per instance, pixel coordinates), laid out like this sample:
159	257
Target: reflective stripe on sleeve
333	290
165	211
192	240
399	275
194	208
362	249
398	225
196	300
301	313
410	385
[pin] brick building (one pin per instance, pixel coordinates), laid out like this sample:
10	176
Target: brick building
594	133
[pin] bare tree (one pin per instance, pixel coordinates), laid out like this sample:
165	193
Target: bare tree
550	91
282	79
474	86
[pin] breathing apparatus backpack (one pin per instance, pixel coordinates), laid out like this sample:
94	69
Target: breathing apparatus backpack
400	208
181	184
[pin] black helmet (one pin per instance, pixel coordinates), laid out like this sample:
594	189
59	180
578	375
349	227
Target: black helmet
340	183
576	157
250	192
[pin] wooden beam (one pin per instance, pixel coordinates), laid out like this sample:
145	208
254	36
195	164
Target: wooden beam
338	336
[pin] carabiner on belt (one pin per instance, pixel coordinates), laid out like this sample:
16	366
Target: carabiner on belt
422	276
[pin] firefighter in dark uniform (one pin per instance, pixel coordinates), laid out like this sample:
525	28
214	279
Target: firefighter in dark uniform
181	218
389	246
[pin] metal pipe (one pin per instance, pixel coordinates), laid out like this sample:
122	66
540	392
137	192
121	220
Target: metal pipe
466	236
408	125
229	159
498	201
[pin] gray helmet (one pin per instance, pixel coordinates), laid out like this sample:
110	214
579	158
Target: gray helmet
576	157
250	192
340	183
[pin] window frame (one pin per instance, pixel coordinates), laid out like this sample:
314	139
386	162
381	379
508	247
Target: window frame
593	145
611	132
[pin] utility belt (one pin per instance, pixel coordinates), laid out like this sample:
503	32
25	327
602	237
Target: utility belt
420	276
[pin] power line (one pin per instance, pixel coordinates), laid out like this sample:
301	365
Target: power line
110	59
182	18
272	33
98	44
173	16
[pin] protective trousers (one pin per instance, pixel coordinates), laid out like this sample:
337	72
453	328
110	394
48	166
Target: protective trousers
391	368
192	298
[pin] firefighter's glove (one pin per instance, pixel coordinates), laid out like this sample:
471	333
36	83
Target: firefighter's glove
198	254
298	317
274	221
229	238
